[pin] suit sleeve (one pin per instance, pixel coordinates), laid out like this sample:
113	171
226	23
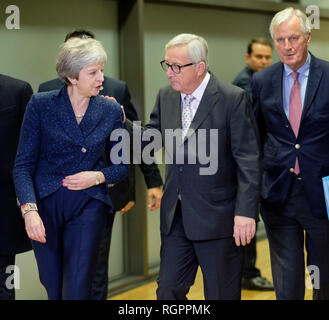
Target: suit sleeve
130	110
257	111
245	150
24	99
23	96
113	173
244	83
27	154
150	172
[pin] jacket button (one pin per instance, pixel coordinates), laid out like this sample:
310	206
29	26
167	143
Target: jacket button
292	170
297	146
84	150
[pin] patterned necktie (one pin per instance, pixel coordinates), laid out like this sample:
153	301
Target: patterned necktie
295	110
186	113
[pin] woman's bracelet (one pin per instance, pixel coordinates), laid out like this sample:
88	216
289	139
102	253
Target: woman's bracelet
27	207
98	181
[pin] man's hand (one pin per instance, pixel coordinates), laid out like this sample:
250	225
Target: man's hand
122	107
110	98
127	207
244	230
34	226
154	198
124	114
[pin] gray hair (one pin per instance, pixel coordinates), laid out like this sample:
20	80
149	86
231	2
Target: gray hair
77	53
287	14
197	46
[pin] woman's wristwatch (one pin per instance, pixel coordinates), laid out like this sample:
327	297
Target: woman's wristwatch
27	207
98	181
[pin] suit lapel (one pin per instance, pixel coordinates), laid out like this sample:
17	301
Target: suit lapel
209	98
66	116
92	117
174	110
313	82
278	90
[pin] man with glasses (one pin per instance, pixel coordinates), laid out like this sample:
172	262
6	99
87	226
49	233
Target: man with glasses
205	217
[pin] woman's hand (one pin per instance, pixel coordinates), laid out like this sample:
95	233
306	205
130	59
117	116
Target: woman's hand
34	226
83	180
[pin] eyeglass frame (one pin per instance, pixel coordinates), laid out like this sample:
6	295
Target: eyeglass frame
177	65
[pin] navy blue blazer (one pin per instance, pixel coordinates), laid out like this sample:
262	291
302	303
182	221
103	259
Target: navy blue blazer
123	192
52	145
280	146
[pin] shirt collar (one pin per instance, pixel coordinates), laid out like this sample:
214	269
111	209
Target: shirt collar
198	92
304	69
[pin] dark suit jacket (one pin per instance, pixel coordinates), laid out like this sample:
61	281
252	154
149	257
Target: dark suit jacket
14	96
210	202
279	141
124	191
243	80
52	145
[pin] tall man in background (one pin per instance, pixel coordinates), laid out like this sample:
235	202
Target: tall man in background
123	193
257	57
291	101
14	96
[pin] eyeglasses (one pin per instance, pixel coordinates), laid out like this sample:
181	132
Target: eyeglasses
174	67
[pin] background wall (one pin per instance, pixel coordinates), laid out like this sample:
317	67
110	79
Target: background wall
30	52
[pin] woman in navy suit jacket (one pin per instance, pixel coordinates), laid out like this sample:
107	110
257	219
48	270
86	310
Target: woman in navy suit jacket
59	173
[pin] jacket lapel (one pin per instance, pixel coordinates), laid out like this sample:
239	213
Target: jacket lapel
209	98
313	82
174	110
277	90
66	117
92	117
